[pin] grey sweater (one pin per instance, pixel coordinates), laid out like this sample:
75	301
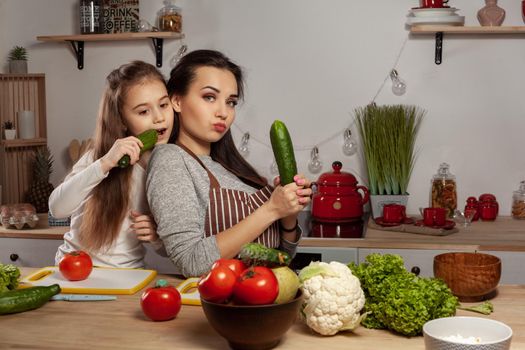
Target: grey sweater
178	193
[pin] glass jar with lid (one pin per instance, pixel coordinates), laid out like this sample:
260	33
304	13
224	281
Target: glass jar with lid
169	18
444	191
518	202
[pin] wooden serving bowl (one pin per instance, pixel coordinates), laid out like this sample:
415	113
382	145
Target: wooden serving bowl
470	276
252	327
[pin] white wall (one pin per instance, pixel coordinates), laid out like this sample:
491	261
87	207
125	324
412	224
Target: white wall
310	64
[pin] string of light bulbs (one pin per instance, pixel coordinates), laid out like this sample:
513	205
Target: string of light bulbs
350	144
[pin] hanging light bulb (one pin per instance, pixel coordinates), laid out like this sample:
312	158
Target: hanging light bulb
182	50
315	165
399	87
350	144
243	148
274	169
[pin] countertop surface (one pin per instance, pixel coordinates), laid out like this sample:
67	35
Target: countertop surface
120	324
504	234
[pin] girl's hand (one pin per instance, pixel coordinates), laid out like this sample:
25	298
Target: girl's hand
129	145
292	198
144	227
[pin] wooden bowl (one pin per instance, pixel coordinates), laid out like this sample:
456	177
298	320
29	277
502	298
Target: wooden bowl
470	276
252	327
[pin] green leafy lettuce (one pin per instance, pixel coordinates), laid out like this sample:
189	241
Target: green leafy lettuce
9	275
397	299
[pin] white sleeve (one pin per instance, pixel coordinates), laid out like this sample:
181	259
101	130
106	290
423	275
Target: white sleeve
77	185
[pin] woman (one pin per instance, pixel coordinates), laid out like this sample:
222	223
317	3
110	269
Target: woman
206	199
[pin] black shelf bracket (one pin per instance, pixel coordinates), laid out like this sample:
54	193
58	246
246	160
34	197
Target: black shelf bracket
157	43
78	47
439	48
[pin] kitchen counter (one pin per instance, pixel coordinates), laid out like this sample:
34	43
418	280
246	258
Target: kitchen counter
504	234
121	324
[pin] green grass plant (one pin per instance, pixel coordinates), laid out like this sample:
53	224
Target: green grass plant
388	135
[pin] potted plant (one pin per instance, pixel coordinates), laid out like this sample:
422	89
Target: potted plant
388	135
9	130
18	60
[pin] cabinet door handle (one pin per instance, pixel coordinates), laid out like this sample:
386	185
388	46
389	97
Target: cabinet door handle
13	257
415	270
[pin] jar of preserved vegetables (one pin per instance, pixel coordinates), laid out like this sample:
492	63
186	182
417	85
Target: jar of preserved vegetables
169	17
518	202
444	192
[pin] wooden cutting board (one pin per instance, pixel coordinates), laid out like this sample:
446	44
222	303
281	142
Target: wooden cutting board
100	281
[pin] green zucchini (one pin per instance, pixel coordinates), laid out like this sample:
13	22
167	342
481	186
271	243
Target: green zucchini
21	300
283	152
148	138
260	255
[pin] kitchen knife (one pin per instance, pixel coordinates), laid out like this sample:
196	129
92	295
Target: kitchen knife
83	297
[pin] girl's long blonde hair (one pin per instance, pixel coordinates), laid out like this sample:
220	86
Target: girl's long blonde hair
108	205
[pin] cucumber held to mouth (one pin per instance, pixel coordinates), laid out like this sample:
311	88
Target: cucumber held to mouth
148	138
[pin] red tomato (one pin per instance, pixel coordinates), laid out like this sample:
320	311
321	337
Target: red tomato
162	302
236	265
76	266
257	285
217	285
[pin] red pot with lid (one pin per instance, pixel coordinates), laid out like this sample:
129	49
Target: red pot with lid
338	197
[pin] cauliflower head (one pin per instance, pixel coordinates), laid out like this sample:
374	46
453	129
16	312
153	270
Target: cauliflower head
333	297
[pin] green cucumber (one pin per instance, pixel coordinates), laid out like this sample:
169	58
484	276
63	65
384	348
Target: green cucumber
21	300
260	255
148	138
283	151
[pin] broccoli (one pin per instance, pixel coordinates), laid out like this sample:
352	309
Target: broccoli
9	275
398	299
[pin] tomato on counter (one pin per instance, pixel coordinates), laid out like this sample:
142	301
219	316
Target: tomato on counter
76	265
162	302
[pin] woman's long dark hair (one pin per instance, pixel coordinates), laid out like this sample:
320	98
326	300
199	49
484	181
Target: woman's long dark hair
223	151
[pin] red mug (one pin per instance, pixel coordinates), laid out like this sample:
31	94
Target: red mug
394	213
434	216
433	3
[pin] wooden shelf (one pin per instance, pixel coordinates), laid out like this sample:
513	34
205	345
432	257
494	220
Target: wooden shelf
17	143
431	29
439	30
77	41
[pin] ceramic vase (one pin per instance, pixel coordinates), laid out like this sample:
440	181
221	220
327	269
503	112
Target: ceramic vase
10	134
491	15
18	67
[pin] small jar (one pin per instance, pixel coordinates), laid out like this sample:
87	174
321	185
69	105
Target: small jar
488	207
444	192
518	202
169	18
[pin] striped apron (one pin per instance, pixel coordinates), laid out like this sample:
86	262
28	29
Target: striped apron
226	207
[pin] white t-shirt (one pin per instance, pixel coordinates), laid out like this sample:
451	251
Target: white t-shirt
69	198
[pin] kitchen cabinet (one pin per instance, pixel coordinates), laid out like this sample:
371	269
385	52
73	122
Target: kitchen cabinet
77	41
439	30
20	92
28	252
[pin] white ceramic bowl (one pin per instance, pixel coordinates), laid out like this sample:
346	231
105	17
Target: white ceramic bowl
489	334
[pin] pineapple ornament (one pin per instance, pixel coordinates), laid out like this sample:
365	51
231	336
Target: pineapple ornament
40	189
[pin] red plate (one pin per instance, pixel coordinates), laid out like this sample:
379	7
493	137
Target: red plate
433	8
449	224
381	222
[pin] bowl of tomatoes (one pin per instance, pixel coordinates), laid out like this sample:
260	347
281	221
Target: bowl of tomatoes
242	305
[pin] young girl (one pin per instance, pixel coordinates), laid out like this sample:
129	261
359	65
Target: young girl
206	199
108	204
